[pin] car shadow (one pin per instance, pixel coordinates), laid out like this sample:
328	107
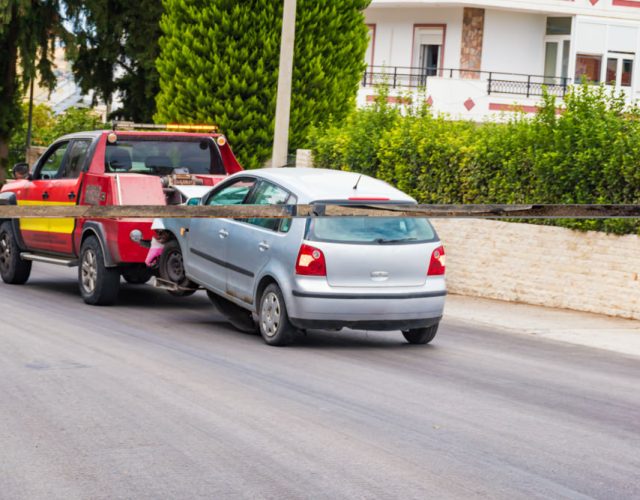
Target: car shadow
317	339
141	296
351	339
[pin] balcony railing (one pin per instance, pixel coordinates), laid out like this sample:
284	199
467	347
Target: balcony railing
497	82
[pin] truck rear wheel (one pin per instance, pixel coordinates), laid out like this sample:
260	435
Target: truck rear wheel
99	285
13	269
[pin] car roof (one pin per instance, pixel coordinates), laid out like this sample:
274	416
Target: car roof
92	134
314	184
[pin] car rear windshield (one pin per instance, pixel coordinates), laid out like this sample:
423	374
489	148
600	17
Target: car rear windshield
163	156
371	230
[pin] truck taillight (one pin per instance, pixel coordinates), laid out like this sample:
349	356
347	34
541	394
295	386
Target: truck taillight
437	264
310	262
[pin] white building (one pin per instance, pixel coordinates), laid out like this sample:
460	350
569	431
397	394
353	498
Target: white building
476	58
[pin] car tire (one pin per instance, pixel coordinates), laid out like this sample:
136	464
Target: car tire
421	335
273	320
171	268
137	275
13	269
240	318
99	285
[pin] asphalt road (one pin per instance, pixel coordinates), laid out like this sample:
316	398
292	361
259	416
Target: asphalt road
159	398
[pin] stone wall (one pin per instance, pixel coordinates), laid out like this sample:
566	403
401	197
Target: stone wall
542	265
472	38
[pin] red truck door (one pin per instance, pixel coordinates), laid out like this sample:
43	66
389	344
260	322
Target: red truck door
65	190
36	232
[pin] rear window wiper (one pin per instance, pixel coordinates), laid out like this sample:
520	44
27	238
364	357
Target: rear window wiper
384	241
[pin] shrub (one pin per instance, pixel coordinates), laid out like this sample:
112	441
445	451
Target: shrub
588	153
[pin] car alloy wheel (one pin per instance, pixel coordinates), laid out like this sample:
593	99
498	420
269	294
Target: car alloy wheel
89	271
270	314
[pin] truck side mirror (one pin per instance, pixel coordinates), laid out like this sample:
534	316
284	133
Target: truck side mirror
21	171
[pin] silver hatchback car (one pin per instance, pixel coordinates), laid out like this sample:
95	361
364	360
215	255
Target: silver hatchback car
285	275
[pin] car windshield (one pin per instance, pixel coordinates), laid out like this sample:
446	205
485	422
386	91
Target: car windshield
163	157
371	230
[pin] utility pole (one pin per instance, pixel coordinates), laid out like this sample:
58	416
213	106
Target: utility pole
285	76
30	119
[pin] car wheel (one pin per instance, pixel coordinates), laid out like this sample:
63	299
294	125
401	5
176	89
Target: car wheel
275	327
421	335
137	275
239	317
13	269
99	285
171	268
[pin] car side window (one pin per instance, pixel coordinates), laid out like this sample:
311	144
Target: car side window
75	160
232	194
268	194
53	161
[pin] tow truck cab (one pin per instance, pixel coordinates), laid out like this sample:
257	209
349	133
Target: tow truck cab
119	167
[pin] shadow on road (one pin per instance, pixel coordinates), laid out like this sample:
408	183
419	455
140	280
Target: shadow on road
143	296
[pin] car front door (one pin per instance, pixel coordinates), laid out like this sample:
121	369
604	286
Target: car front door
65	190
251	242
36	233
206	260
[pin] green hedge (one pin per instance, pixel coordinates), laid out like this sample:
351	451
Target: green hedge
589	153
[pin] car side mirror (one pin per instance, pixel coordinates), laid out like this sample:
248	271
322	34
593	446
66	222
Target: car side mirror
21	171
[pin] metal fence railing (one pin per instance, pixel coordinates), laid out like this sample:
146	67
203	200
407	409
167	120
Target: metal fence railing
497	82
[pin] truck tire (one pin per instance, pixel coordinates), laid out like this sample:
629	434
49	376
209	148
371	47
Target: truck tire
13	269
171	268
273	320
99	285
421	335
137	274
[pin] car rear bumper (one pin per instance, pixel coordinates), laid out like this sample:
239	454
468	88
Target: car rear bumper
380	325
400	311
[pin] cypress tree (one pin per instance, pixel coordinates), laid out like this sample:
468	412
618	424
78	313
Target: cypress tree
219	63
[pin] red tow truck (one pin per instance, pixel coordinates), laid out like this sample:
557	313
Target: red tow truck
130	166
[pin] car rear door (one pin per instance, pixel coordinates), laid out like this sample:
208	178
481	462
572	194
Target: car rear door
252	242
207	241
36	233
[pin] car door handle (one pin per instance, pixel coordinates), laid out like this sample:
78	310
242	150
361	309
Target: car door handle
223	233
45	195
263	246
72	195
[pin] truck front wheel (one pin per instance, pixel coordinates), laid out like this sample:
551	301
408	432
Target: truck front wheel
13	269
99	285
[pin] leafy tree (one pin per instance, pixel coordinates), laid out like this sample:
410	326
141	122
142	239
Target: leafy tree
219	63
117	48
28	30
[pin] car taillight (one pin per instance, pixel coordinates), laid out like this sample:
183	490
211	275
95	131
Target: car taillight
310	262
437	264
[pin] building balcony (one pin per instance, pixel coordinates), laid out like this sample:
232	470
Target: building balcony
496	83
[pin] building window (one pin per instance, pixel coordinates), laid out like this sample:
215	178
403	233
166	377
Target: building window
428	47
371	47
557	49
588	67
619	72
558	25
627	73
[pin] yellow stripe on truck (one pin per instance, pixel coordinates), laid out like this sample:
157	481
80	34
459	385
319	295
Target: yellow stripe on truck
62	226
